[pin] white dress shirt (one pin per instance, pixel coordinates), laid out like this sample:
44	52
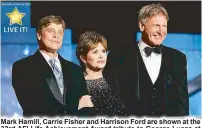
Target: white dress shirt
47	58
152	62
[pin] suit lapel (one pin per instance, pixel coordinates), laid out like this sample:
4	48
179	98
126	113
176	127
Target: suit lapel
67	77
49	76
133	69
51	80
167	69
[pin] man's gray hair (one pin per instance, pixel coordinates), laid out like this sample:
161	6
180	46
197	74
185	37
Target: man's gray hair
150	10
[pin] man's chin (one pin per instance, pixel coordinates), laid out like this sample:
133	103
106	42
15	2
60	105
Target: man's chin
53	50
157	43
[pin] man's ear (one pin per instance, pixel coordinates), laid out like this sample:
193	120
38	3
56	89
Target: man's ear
38	35
83	59
141	26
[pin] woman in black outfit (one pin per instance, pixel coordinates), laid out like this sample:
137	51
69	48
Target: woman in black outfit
91	52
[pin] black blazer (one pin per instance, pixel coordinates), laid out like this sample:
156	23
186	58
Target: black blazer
37	90
174	63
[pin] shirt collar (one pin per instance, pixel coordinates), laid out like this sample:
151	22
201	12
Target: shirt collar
141	46
47	58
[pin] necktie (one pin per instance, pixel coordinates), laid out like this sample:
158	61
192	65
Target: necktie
149	50
58	74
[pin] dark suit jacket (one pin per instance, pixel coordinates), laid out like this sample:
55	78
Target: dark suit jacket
174	63
37	90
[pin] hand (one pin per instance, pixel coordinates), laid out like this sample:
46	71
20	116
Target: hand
85	101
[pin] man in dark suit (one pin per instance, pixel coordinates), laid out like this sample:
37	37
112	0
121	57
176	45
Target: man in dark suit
46	84
152	77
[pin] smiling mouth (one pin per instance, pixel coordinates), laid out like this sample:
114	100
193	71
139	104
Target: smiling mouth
157	36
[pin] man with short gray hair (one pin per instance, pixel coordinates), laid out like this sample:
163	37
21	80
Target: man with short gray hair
153	77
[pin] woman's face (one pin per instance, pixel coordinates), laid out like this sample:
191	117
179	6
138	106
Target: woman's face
96	58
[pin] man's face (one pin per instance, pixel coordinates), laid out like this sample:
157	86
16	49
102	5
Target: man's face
154	30
51	37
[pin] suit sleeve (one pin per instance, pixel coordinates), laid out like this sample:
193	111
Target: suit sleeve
18	85
183	104
23	84
78	89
